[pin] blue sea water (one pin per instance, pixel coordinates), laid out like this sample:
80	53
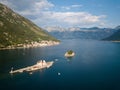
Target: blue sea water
96	66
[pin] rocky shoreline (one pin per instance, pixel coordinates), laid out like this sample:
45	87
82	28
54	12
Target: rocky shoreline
32	45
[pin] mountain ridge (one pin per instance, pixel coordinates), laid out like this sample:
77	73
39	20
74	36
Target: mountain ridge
81	33
15	29
115	36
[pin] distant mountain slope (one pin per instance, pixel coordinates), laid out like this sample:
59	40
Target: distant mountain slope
115	36
15	29
81	33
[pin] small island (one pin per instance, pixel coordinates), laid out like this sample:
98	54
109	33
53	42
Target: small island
69	53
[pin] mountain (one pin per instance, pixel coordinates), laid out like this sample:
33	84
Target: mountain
115	36
95	33
15	29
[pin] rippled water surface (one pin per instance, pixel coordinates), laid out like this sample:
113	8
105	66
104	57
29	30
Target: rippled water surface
96	66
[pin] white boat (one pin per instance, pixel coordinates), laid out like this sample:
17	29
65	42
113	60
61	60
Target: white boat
39	65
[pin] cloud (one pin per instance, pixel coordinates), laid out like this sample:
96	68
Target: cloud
28	6
37	7
7	3
43	5
66	7
70	18
76	6
42	13
71	7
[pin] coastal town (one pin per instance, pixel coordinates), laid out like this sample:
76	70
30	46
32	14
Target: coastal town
33	44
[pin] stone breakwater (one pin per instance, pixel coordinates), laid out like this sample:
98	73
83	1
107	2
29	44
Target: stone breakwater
32	44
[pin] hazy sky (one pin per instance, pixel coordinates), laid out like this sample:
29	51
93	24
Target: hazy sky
68	13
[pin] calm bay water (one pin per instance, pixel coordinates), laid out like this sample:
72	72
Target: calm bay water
96	66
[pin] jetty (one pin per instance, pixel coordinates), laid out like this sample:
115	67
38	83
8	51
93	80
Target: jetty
39	65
